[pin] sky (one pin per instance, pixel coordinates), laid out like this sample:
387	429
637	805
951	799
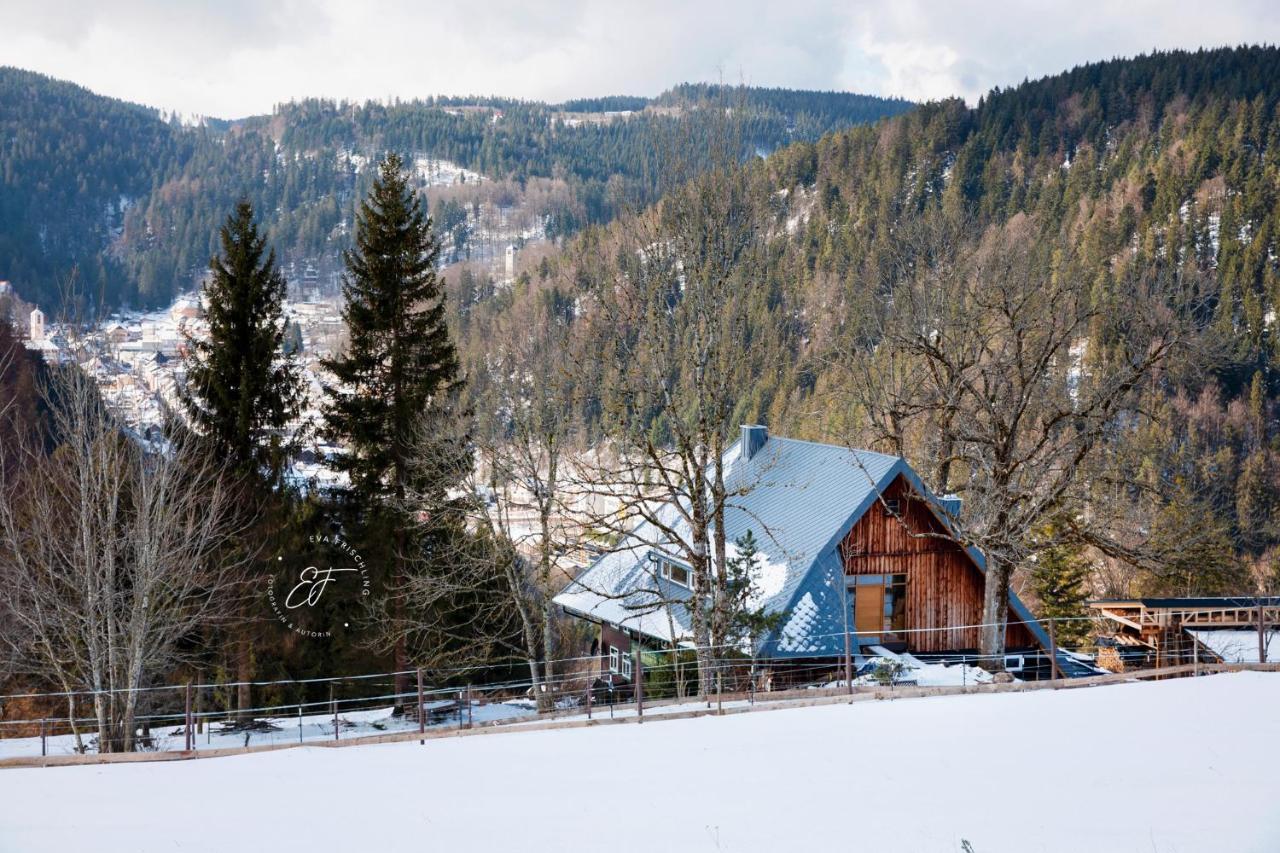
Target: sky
232	58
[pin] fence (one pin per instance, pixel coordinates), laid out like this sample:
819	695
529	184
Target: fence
184	719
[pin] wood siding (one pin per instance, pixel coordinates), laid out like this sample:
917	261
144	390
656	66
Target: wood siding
944	587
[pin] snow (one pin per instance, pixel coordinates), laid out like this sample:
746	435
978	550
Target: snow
1032	772
287	729
1236	646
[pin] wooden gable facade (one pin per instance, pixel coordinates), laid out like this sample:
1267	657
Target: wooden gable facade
943	585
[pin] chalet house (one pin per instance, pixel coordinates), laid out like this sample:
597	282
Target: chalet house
1146	632
848	540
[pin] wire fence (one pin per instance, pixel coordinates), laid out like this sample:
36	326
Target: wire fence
609	681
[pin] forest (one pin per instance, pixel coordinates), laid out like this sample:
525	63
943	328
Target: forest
1151	180
132	202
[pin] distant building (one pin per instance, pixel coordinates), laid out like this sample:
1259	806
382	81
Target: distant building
511	263
36	332
185	309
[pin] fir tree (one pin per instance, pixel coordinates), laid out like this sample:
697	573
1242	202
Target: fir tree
1060	580
243	388
400	364
399	376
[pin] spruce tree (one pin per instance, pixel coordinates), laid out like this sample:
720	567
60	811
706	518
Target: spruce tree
1060	579
399	371
243	389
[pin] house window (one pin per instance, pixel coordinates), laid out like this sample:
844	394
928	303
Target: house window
626	666
672	571
678	575
892	506
879	607
613	658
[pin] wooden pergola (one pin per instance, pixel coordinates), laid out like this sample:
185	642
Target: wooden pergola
1161	625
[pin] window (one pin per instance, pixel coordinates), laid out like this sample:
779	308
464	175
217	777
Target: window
678	575
613	658
671	570
1014	663
892	506
879	606
626	666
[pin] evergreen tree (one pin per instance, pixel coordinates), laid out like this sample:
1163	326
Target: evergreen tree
243	388
400	363
399	375
1060	579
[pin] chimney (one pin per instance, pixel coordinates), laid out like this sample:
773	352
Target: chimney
753	438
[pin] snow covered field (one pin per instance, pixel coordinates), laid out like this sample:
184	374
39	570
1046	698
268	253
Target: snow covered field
1181	766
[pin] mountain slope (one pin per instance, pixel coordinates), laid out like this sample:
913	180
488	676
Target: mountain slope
134	202
1166	164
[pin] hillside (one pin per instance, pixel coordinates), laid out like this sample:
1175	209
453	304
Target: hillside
1005	773
1162	168
133	202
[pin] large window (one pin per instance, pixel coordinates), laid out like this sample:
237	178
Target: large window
879	605
626	666
613	658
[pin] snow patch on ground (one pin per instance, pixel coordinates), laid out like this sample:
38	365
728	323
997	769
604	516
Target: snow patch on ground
1006	772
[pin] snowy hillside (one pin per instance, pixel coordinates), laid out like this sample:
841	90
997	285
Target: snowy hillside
1184	765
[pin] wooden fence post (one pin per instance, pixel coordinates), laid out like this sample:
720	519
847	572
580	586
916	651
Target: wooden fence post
422	714
1262	635
190	735
1054	674
334	702
639	673
468	706
44	748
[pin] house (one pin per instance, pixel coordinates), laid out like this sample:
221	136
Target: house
848	540
1147	632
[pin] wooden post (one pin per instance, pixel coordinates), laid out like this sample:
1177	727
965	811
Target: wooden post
1195	654
639	673
589	692
1262	635
190	735
1054	674
719	689
199	719
422	714
44	748
334	702
468	706
299	722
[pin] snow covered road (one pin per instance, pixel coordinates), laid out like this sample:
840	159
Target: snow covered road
1176	766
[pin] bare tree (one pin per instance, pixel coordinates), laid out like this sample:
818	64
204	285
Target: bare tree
992	363
672	324
112	556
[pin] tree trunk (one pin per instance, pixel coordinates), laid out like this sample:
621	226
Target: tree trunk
995	614
244	674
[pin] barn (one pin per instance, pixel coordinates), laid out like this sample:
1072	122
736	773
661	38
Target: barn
848	541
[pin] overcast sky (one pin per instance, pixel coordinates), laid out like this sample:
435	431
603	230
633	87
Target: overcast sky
231	58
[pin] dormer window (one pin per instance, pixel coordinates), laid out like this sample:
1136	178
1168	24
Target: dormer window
892	506
670	570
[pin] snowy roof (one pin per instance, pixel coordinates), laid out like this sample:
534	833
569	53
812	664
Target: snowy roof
799	499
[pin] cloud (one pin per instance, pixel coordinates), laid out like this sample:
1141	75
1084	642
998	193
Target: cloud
235	57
